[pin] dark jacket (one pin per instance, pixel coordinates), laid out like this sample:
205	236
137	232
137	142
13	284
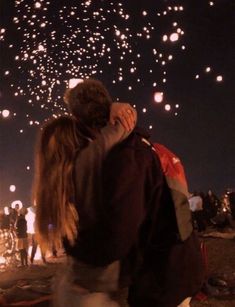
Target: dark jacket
109	222
130	216
21	227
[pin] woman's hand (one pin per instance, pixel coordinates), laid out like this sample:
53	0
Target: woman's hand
124	113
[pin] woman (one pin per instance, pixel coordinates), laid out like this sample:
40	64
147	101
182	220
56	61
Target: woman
21	231
60	142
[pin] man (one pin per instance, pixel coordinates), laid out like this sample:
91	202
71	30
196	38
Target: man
30	218
139	226
196	206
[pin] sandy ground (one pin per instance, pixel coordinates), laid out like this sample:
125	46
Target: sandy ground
221	261
18	284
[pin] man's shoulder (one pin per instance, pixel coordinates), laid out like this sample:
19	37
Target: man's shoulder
139	138
137	148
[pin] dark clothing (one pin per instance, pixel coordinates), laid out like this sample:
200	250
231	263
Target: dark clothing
232	203
34	249
199	220
211	206
21	232
5	222
94	233
109	229
13	217
134	221
21	227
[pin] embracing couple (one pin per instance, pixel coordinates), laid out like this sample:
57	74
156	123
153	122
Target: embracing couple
100	183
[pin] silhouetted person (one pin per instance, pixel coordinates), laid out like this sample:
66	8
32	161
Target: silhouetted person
211	206
22	237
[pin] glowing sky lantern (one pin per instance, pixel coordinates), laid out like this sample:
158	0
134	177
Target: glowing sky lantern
12	188
5	113
167	107
174	37
37	5
51	59
74	82
41	48
158	97
219	78
19	202
164	38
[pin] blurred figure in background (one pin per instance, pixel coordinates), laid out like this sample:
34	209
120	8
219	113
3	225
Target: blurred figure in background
211	206
196	206
224	215
30	218
22	237
13	214
5	224
231	196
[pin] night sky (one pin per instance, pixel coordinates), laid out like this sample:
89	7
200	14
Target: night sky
182	50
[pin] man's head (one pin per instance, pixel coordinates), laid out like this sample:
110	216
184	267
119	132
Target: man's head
89	101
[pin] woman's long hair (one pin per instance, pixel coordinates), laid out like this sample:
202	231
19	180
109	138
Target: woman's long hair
53	190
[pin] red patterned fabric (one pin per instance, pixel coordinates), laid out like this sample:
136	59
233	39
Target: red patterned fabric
171	164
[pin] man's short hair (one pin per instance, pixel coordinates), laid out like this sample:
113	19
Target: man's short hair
89	101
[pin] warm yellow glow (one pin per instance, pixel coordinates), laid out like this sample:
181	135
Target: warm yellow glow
2	260
167	107
19	202
164	38
37	5
158	97
12	188
6	210
219	78
174	37
5	113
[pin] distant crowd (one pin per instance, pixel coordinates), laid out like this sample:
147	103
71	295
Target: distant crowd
207	209
210	210
17	235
